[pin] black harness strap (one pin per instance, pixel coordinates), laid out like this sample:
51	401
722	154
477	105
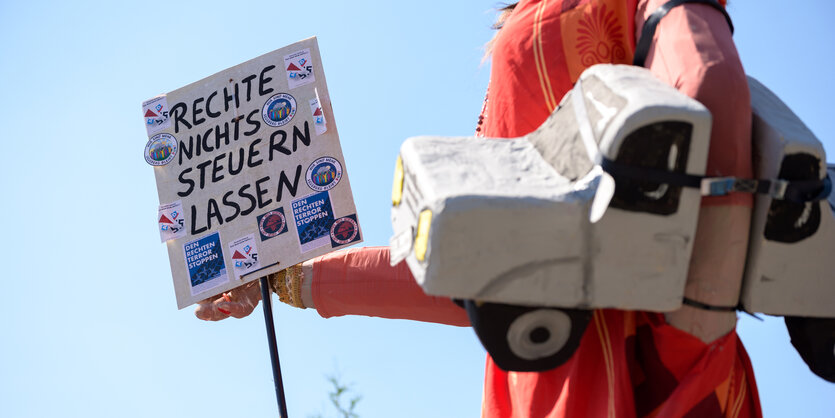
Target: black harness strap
701	305
648	31
798	191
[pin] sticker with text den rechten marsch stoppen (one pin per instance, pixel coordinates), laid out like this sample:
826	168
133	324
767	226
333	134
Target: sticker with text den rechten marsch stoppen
319	122
244	255
299	68
171	221
313	216
205	265
156	114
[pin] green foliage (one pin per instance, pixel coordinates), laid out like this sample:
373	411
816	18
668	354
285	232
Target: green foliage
336	399
342	399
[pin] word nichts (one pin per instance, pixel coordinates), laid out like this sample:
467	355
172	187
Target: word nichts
197	254
219	162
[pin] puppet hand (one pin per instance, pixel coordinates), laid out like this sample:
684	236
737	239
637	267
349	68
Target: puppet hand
238	303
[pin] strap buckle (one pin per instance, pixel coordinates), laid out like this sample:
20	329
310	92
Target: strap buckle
717	186
777	189
721	186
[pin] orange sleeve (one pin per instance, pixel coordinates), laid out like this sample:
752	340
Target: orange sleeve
360	281
693	51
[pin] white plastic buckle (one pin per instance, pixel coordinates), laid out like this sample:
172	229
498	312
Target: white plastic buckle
720	186
717	186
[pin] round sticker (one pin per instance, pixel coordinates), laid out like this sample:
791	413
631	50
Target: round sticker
272	223
344	230
279	110
160	149
323	174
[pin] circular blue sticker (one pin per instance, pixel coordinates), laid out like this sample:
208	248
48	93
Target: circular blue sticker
323	174
160	149
279	110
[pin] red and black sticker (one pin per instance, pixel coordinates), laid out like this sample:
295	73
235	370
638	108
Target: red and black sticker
345	231
272	224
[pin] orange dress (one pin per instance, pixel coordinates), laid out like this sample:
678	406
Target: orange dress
628	364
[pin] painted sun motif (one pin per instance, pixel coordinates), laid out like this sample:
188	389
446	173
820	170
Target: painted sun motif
600	37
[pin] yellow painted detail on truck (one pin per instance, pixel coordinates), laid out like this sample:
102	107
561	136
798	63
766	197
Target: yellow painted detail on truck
397	187
422	237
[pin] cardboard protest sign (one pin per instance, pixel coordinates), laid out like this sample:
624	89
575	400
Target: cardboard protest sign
249	171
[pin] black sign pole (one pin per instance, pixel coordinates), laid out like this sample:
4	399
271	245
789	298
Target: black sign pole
268	319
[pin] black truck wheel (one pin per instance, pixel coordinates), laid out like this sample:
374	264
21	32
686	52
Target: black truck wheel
527	339
814	340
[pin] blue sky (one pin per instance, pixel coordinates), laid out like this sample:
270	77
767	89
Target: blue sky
91	327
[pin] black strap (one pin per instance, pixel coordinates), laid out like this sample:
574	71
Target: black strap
648	31
798	191
618	170
701	305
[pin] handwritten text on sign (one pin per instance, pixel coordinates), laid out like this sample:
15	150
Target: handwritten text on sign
233	155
